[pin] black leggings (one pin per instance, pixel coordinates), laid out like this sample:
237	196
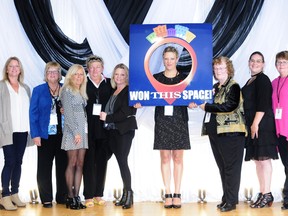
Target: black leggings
120	145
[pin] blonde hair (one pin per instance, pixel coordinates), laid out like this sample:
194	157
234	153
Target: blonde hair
70	85
171	49
5	74
52	64
94	58
121	66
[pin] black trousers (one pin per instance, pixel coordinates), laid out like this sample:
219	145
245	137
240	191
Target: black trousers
120	145
95	167
49	150
228	153
283	150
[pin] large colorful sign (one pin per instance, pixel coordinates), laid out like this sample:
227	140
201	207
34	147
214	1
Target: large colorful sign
194	44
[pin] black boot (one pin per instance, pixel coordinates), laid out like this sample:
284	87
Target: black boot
71	203
123	199
129	201
177	196
258	200
267	200
79	203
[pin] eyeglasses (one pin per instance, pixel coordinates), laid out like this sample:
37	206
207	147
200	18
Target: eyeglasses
255	61
281	62
52	72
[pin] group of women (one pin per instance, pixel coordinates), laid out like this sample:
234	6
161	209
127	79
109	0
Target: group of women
259	106
82	123
66	122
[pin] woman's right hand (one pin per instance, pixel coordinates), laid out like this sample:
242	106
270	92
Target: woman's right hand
37	141
254	131
77	139
103	116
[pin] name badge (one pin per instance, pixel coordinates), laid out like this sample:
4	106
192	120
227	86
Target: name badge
278	113
207	117
168	110
53	119
96	109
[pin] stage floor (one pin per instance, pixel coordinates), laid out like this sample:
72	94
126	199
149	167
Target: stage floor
146	209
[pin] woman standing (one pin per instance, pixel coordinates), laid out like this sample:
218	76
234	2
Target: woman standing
225	126
171	131
120	121
46	131
74	141
96	158
280	107
14	124
261	141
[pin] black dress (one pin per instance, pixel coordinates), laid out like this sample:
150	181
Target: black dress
258	97
171	132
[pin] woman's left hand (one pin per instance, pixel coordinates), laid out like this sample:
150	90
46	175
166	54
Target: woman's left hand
202	106
137	105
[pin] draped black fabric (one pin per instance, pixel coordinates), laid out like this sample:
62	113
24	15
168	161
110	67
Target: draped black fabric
232	22
47	38
126	12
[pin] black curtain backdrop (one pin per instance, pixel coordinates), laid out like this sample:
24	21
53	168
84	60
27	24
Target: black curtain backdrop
232	22
47	38
126	12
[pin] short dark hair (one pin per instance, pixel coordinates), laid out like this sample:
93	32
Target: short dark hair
257	53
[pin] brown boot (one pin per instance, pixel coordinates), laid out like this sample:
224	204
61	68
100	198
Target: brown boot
6	203
16	200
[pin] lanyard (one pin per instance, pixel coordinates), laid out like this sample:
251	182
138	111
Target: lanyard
279	89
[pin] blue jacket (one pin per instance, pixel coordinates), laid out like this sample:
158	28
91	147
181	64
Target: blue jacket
39	113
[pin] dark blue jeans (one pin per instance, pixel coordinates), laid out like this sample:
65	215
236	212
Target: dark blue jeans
13	155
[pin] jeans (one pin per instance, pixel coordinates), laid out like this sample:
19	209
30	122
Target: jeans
13	155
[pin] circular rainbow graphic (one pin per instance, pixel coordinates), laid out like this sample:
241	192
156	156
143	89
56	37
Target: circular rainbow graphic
178	35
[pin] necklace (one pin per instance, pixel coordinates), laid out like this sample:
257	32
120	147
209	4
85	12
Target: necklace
254	75
54	92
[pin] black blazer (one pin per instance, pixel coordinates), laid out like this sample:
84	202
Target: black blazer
123	115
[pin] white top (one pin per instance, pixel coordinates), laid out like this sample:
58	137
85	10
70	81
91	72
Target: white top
19	109
95	84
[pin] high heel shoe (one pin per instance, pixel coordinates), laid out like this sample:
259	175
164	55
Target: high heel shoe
71	203
267	200
258	200
123	199
177	196
129	200
79	203
168	196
